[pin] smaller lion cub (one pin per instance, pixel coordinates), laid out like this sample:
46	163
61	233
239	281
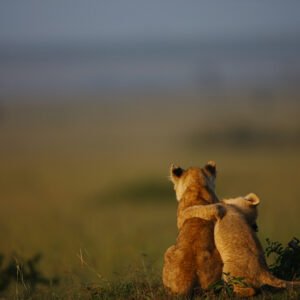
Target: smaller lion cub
239	247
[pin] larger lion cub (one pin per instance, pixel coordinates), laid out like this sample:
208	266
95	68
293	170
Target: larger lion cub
237	243
194	260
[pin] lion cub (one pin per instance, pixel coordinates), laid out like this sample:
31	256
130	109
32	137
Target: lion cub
193	261
237	243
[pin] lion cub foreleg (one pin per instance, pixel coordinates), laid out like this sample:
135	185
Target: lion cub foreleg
208	212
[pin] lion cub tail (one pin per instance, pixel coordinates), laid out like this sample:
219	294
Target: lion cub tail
273	281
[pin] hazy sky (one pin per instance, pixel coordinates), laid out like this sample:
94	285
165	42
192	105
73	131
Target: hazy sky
61	20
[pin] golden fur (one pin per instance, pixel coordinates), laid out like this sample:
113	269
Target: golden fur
193	261
236	241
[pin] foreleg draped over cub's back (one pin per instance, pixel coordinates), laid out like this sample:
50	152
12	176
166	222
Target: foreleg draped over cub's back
240	249
194	259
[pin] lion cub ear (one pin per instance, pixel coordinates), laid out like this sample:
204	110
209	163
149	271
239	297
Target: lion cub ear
211	167
252	199
176	171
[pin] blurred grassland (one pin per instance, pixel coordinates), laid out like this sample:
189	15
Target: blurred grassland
86	178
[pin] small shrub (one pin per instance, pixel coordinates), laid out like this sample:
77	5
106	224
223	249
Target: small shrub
24	272
225	288
285	260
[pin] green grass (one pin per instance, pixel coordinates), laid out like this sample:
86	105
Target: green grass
88	180
142	283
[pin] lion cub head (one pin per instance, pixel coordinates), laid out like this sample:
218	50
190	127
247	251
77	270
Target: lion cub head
193	178
247	205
